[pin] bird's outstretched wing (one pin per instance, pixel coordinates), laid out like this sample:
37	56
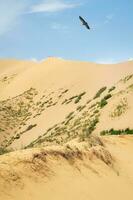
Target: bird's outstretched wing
84	22
87	26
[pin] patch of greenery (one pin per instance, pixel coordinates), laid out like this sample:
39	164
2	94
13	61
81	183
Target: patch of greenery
80	108
108	96
3	150
120	108
70	118
69	115
88	129
98	94
79	97
126	131
112	88
30	127
88	101
96	111
103	103
127	78
17	136
73	97
93	105
65	91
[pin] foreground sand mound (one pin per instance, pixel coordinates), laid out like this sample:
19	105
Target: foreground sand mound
70	172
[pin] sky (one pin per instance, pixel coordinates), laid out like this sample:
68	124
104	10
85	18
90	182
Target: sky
37	29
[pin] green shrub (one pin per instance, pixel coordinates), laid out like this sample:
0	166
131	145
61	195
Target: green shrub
65	91
79	97
77	100
69	115
117	132
96	111
3	150
111	89
108	96
80	108
98	94
71	98
127	78
103	103
31	126
120	108
93	105
88	129
64	101
17	136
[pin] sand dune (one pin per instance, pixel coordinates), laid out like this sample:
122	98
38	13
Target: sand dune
51	74
32	175
31	84
66	115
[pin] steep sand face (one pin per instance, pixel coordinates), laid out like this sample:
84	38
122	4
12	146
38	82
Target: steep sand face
28	175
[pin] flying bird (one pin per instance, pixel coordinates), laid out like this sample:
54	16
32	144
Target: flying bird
84	22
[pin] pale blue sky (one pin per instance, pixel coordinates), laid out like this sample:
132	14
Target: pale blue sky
36	29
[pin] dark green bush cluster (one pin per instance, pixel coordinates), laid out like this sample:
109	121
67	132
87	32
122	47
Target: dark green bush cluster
117	132
80	108
96	111
93	125
111	89
65	91
79	97
103	103
3	151
69	115
31	126
73	97
127	78
108	96
100	92
86	132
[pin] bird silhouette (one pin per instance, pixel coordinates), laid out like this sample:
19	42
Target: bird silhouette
84	22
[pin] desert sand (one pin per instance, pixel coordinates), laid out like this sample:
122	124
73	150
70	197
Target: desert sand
52	114
58	178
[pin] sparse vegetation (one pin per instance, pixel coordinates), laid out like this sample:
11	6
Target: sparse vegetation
80	108
65	91
30	127
87	130
111	89
127	78
3	150
103	103
98	94
96	111
108	96
79	97
120	108
69	115
117	132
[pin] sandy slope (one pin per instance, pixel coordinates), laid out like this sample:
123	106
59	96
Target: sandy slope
32	95
53	76
54	73
57	178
